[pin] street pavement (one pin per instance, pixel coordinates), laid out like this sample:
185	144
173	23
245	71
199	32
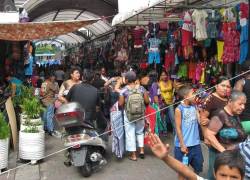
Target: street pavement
52	168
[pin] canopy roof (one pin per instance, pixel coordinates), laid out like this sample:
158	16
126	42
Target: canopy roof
164	10
60	10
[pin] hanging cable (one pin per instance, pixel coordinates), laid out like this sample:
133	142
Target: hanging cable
107	132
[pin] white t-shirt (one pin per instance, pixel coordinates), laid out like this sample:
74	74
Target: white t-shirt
199	18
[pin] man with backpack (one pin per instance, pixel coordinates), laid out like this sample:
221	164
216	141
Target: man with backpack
133	99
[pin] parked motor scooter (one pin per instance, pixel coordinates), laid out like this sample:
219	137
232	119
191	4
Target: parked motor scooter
86	147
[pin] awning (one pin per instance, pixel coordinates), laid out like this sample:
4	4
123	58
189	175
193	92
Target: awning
146	11
131	17
40	30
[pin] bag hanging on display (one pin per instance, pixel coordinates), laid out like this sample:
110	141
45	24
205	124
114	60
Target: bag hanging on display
163	25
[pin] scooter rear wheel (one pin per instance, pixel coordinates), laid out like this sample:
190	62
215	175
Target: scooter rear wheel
86	170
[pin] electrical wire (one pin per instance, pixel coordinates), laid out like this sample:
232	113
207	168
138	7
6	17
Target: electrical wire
107	132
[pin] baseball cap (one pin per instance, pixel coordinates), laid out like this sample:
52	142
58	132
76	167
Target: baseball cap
130	76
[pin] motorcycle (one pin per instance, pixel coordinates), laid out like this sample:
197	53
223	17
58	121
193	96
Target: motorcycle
86	148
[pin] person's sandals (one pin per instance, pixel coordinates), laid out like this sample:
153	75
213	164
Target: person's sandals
142	155
132	158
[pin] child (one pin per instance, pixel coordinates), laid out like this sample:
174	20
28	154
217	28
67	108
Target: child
187	139
228	164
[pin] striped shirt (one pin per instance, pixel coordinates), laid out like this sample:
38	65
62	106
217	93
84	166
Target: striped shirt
245	152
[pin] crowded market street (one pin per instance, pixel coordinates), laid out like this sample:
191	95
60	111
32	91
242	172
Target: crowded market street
53	168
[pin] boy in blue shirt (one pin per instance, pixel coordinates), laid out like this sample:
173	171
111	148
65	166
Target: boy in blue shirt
187	139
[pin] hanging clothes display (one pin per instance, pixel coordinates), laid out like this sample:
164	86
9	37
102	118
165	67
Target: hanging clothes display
187	35
199	18
243	9
169	58
220	48
214	18
153	51
201	46
183	71
138	36
231	52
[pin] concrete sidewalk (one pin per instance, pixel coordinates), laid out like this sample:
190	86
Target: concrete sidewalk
52	168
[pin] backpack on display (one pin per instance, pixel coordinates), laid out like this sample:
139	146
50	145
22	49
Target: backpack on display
135	106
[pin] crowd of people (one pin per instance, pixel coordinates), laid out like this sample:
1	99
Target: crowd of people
221	118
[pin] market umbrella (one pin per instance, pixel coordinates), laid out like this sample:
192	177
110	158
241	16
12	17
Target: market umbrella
40	30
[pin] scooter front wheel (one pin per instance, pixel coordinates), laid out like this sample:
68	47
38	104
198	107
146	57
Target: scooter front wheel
86	170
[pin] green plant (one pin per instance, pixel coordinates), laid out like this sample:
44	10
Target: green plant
26	92
4	127
31	129
28	122
32	107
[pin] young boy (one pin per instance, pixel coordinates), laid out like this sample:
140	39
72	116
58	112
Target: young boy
187	139
228	164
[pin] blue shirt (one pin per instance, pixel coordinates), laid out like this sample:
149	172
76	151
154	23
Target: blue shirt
29	68
244	148
189	126
18	84
154	43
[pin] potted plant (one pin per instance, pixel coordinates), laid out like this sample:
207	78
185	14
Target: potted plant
4	142
31	144
32	108
27	124
31	135
26	92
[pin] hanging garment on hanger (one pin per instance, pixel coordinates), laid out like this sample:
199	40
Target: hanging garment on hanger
191	70
244	9
203	67
220	47
198	72
153	51
199	18
187	35
183	71
244	40
231	53
244	24
187	30
213	19
153	28
169	58
122	55
211	50
138	37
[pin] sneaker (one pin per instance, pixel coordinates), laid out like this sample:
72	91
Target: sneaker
56	134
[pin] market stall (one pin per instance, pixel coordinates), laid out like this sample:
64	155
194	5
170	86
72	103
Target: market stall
194	41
